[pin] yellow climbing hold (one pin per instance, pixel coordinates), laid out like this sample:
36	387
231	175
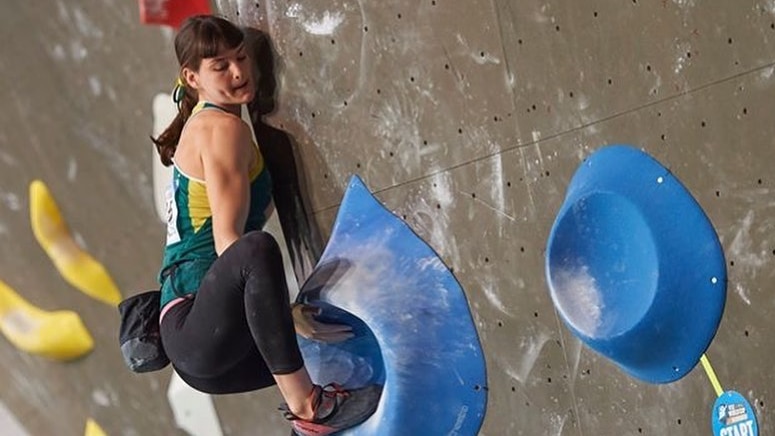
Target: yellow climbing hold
77	266
57	335
93	429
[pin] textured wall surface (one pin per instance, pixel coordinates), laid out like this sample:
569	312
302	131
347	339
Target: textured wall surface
468	119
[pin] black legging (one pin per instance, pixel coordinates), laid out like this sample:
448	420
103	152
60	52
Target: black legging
238	330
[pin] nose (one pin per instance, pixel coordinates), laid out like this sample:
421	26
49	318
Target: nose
237	72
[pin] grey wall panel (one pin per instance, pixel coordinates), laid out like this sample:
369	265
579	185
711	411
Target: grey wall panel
623	56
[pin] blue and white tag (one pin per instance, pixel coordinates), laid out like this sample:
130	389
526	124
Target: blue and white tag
733	416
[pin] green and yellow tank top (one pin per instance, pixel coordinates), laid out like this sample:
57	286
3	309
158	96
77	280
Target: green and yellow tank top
190	248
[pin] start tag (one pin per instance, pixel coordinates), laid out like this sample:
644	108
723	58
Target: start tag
733	416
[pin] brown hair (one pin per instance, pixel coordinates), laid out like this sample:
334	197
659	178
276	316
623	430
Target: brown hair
200	37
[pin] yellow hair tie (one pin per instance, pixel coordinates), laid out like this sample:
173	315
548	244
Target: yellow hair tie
179	91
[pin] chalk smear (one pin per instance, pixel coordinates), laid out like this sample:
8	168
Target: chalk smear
579	299
325	25
315	25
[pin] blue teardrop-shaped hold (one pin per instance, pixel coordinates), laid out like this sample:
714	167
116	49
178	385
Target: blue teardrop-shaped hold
414	332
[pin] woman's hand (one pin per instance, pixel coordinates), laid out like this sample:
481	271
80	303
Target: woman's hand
310	328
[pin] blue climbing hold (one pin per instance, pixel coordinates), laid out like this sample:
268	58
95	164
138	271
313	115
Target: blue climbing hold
413	329
634	266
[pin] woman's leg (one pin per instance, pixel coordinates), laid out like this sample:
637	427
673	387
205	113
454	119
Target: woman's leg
239	369
239	331
268	313
240	319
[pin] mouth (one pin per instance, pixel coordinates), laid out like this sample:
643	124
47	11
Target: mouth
243	86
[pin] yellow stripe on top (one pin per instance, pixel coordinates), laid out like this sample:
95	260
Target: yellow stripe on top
198	203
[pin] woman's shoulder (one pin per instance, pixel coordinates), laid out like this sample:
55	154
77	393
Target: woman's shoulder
216	118
219	135
217	123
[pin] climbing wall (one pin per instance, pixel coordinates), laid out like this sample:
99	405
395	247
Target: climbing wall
468	120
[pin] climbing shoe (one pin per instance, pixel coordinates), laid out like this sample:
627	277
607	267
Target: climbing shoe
335	409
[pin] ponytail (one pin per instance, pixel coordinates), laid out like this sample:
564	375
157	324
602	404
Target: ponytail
167	142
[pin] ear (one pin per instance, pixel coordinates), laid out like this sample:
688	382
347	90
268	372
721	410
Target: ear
191	77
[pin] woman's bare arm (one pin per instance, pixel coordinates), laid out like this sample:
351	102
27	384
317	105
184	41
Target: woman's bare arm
226	157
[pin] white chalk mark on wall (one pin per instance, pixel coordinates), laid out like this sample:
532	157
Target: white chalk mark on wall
491	292
10	200
326	25
8	159
746	254
397	123
58	52
77	51
682	59
72	169
95	85
496	191
684	3
85	26
742	292
313	24
529	349
498	211
100	397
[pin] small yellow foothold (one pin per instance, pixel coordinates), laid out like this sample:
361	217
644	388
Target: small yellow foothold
58	335
77	266
93	429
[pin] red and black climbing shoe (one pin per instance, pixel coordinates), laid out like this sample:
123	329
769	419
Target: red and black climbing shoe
336	409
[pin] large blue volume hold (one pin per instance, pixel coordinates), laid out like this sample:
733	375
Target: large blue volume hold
414	330
634	267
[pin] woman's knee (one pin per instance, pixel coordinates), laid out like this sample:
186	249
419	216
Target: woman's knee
257	243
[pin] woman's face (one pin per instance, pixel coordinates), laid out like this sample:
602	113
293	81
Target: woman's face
225	79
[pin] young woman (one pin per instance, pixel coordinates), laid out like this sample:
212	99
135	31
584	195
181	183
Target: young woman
226	320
